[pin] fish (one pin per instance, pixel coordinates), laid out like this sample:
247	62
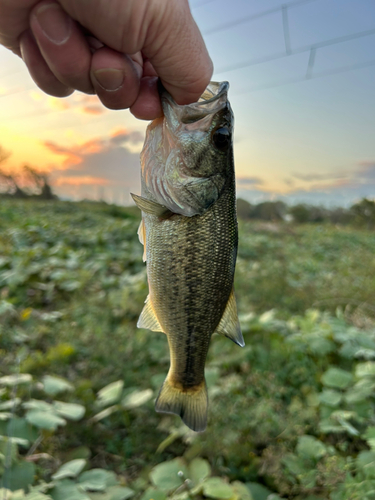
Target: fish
190	237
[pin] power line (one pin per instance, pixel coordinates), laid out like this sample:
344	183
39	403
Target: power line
253	17
288	49
322	74
307	48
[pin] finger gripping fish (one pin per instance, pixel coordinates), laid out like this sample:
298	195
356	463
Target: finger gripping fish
189	233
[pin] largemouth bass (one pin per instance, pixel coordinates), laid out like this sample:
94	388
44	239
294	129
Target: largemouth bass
189	231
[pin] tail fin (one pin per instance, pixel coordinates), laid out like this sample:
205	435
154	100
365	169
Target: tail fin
191	405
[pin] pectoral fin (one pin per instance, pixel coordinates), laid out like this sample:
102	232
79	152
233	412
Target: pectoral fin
148	318
142	237
152	208
229	324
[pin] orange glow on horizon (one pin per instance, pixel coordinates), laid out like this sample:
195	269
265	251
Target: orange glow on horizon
79	180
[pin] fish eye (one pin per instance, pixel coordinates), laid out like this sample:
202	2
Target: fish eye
221	138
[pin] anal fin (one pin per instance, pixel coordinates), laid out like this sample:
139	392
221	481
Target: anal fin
229	324
148	318
151	207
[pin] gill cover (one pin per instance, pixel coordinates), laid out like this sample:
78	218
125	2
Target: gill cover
185	156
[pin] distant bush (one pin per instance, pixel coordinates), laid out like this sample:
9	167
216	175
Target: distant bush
267	210
361	213
28	183
244	209
364	212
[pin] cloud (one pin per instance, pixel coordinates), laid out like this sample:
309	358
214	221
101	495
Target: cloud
340	189
57	104
367	171
120	136
107	161
92	110
80	180
246	181
319	177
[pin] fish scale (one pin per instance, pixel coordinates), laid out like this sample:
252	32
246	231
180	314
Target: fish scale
190	255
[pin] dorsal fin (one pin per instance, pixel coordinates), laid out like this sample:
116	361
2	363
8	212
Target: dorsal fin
229	324
148	318
151	207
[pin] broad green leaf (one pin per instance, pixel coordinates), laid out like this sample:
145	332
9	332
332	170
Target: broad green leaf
258	491
369	435
169	475
153	494
105	413
94	479
241	491
337	378
44	420
9	405
321	346
366	461
308	480
70	286
71	411
348	426
310	447
8	449
199	469
5	494
37	404
327	425
365	369
67	490
110	394
7	308
215	487
330	397
15	440
5	415
36	495
54	385
120	493
137	398
20	428
359	393
11	380
70	469
19	476
294	464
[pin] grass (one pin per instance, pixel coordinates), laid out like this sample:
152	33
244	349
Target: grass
72	285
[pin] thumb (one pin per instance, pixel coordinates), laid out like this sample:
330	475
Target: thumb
163	30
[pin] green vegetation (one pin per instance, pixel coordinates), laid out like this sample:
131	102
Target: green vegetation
292	414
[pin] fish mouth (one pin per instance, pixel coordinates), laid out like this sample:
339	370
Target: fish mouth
213	100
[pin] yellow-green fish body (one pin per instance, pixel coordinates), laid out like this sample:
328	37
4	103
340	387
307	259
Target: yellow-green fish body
189	230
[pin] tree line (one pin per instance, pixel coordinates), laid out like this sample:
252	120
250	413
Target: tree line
361	213
25	183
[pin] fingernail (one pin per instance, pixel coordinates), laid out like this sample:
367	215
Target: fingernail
54	22
109	79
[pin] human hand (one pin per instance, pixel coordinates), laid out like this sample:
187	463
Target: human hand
114	48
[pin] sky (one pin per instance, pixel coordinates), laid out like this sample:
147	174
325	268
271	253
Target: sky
302	88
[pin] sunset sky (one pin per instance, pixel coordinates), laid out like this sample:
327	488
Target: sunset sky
302	87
